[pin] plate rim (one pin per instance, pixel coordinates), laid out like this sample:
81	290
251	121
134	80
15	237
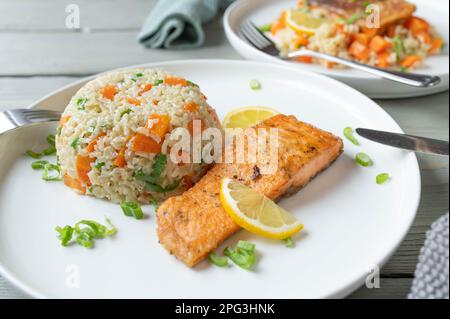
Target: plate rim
339	292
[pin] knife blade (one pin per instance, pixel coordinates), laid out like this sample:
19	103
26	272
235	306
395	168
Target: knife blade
407	142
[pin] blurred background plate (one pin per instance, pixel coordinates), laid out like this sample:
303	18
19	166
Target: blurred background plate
265	11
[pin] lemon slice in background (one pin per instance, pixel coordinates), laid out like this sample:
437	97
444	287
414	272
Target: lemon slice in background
257	213
303	22
248	116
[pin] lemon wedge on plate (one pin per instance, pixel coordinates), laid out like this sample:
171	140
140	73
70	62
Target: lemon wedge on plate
248	116
303	22
257	213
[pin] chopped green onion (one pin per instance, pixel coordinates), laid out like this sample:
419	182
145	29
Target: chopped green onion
86	231
353	18
193	84
52	172
131	209
255	85
51	139
99	165
289	242
96	230
75	143
363	159
127	111
403	69
265	27
81	103
85	238
245	245
37	165
59	130
217	260
49	151
382	178
399	48
241	257
65	234
158	82
137	76
34	155
112	230
348	133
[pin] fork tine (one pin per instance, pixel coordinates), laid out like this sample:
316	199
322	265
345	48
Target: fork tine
253	37
257	34
249	38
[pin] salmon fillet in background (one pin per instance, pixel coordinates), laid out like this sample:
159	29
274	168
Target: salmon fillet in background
391	11
192	225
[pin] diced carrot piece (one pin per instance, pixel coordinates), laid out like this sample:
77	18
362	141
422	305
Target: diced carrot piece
280	24
370	32
91	146
191	125
74	183
83	165
191	107
145	144
416	25
120	160
175	81
146	88
158	125
359	51
109	92
133	101
424	36
361	38
304	59
340	28
301	41
64	120
436	46
379	44
411	60
383	59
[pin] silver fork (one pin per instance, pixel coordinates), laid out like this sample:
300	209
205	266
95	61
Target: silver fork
12	119
261	42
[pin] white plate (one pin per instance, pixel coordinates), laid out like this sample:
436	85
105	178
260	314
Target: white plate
352	224
265	11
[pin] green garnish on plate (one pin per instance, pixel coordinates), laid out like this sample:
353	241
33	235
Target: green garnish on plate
363	159
382	178
348	133
132	209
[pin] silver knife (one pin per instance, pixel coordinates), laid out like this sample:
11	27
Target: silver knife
407	142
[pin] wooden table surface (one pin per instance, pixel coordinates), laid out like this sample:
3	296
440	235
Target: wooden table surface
39	54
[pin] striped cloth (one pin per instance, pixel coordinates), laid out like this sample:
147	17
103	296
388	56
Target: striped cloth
431	277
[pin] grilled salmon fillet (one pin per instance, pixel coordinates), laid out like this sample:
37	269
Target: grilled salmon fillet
391	11
190	226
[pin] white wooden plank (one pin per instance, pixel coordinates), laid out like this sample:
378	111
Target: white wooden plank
32	15
87	53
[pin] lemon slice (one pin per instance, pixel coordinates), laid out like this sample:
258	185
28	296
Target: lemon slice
248	116
303	22
257	213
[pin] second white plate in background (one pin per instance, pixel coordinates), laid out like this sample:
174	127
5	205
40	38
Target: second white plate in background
266	11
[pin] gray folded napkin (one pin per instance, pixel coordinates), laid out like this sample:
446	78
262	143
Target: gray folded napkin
431	277
177	24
